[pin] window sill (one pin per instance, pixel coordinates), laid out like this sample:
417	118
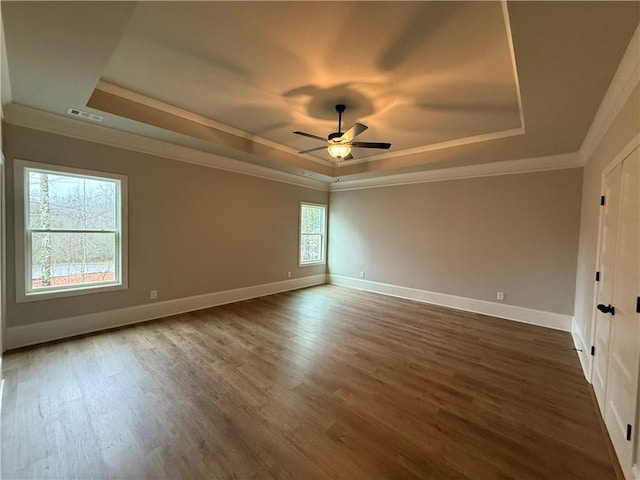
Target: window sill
71	292
314	264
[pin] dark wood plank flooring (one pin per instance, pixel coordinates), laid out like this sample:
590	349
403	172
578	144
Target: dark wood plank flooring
325	382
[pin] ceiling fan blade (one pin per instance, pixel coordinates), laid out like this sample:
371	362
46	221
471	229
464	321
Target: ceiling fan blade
311	135
370	145
313	149
348	157
353	132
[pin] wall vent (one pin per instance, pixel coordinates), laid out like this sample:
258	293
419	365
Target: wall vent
86	115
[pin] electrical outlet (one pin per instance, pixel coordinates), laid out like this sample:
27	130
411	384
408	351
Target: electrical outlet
288	274
500	296
153	294
361	274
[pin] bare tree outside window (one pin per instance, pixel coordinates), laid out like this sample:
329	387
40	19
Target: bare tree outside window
312	233
45	223
73	229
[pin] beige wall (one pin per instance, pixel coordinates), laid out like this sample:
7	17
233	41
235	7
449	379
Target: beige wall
192	229
472	238
624	128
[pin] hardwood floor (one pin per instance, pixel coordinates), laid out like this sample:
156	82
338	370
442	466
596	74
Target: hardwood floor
325	382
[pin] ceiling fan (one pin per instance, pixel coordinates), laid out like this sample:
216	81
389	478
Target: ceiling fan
339	143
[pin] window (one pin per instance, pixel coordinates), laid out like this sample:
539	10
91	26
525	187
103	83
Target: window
70	233
313	232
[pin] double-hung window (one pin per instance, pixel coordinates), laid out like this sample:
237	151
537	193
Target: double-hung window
313	233
70	231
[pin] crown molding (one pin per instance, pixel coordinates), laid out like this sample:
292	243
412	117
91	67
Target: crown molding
458	142
525	165
626	78
28	117
23	116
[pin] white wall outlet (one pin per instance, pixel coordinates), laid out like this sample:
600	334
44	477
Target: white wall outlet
500	296
361	274
288	274
153	294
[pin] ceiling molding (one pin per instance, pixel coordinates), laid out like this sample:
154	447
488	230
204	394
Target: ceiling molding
526	165
28	117
24	116
485	137
626	78
158	105
514	65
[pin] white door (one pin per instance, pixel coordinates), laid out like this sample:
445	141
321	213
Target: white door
624	346
604	296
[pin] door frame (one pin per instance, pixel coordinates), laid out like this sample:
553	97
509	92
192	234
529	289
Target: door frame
627	150
618	159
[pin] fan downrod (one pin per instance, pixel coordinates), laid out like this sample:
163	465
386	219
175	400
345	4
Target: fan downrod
339	108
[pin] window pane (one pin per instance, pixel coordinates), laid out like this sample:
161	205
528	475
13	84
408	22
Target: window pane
60	201
310	248
72	258
312	219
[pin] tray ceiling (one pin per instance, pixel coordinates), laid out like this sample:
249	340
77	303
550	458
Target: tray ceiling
447	83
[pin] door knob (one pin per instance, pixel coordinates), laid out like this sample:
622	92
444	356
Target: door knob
607	309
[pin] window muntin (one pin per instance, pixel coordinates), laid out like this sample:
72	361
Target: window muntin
313	219
72	227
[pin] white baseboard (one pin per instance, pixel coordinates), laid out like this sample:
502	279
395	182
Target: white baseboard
541	318
582	349
32	334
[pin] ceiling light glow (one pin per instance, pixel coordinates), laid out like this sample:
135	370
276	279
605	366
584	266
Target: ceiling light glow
339	150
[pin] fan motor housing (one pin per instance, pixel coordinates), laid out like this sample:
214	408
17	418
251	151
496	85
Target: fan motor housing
334	135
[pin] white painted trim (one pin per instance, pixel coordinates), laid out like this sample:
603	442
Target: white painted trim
325	225
626	78
32	334
582	349
22	248
526	165
541	318
457	142
28	117
623	154
514	65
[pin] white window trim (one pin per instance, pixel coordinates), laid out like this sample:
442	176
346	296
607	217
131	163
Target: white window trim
324	234
22	262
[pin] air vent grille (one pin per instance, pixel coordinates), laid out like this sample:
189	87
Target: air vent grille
86	115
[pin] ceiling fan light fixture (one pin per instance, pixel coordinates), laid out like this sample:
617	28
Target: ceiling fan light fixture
339	144
339	150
